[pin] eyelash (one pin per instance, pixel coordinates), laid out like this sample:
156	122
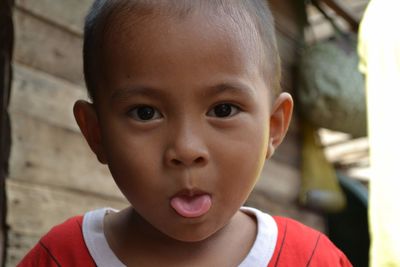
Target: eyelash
150	113
232	109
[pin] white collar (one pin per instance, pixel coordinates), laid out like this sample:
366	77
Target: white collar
259	255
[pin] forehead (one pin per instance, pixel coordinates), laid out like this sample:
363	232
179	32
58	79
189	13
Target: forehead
148	45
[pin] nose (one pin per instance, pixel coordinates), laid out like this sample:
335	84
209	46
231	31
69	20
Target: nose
187	148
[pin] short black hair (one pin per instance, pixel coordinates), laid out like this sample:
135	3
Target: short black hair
102	12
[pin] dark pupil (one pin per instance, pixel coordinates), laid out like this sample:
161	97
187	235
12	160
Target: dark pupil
145	113
223	110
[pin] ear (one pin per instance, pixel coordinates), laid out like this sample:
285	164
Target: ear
86	117
280	117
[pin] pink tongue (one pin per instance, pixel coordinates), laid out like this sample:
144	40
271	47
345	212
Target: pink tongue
191	207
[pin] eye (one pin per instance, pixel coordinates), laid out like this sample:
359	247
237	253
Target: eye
223	110
144	113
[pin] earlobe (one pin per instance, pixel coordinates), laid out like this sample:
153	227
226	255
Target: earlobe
280	117
86	117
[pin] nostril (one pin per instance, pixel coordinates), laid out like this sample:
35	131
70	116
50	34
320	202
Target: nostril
199	160
176	162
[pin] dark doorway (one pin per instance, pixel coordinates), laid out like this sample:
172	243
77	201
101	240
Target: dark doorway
6	45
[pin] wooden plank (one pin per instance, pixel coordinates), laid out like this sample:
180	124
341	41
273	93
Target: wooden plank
357	7
47	48
18	246
39	94
68	14
344	12
35	209
45	154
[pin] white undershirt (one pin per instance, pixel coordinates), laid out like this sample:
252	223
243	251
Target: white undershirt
259	255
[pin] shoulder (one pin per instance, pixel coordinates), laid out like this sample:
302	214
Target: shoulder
300	245
63	245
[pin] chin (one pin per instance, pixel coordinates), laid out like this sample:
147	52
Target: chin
191	235
191	238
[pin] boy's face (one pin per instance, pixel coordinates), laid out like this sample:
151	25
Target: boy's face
183	120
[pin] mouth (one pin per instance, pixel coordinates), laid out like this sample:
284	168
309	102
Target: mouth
191	203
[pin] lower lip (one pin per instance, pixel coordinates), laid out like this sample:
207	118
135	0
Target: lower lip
191	206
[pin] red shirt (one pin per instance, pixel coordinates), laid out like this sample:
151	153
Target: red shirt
297	245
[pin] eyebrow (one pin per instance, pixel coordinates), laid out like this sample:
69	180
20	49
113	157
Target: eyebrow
137	91
230	87
226	87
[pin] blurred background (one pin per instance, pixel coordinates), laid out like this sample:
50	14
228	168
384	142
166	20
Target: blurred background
320	175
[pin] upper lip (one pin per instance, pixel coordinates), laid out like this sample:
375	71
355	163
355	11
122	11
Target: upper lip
190	192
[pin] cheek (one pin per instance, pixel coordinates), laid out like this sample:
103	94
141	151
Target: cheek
134	161
241	160
249	142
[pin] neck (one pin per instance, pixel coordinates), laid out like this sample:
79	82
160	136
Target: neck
130	237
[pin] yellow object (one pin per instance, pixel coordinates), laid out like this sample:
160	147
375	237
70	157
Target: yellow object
379	49
320	188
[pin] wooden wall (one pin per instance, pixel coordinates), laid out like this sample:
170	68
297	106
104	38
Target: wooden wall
53	174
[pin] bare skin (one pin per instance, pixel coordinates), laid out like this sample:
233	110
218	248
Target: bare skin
152	248
178	111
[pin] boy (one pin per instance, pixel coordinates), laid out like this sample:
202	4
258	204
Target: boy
186	108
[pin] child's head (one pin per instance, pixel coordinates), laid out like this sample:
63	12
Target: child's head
251	18
183	112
